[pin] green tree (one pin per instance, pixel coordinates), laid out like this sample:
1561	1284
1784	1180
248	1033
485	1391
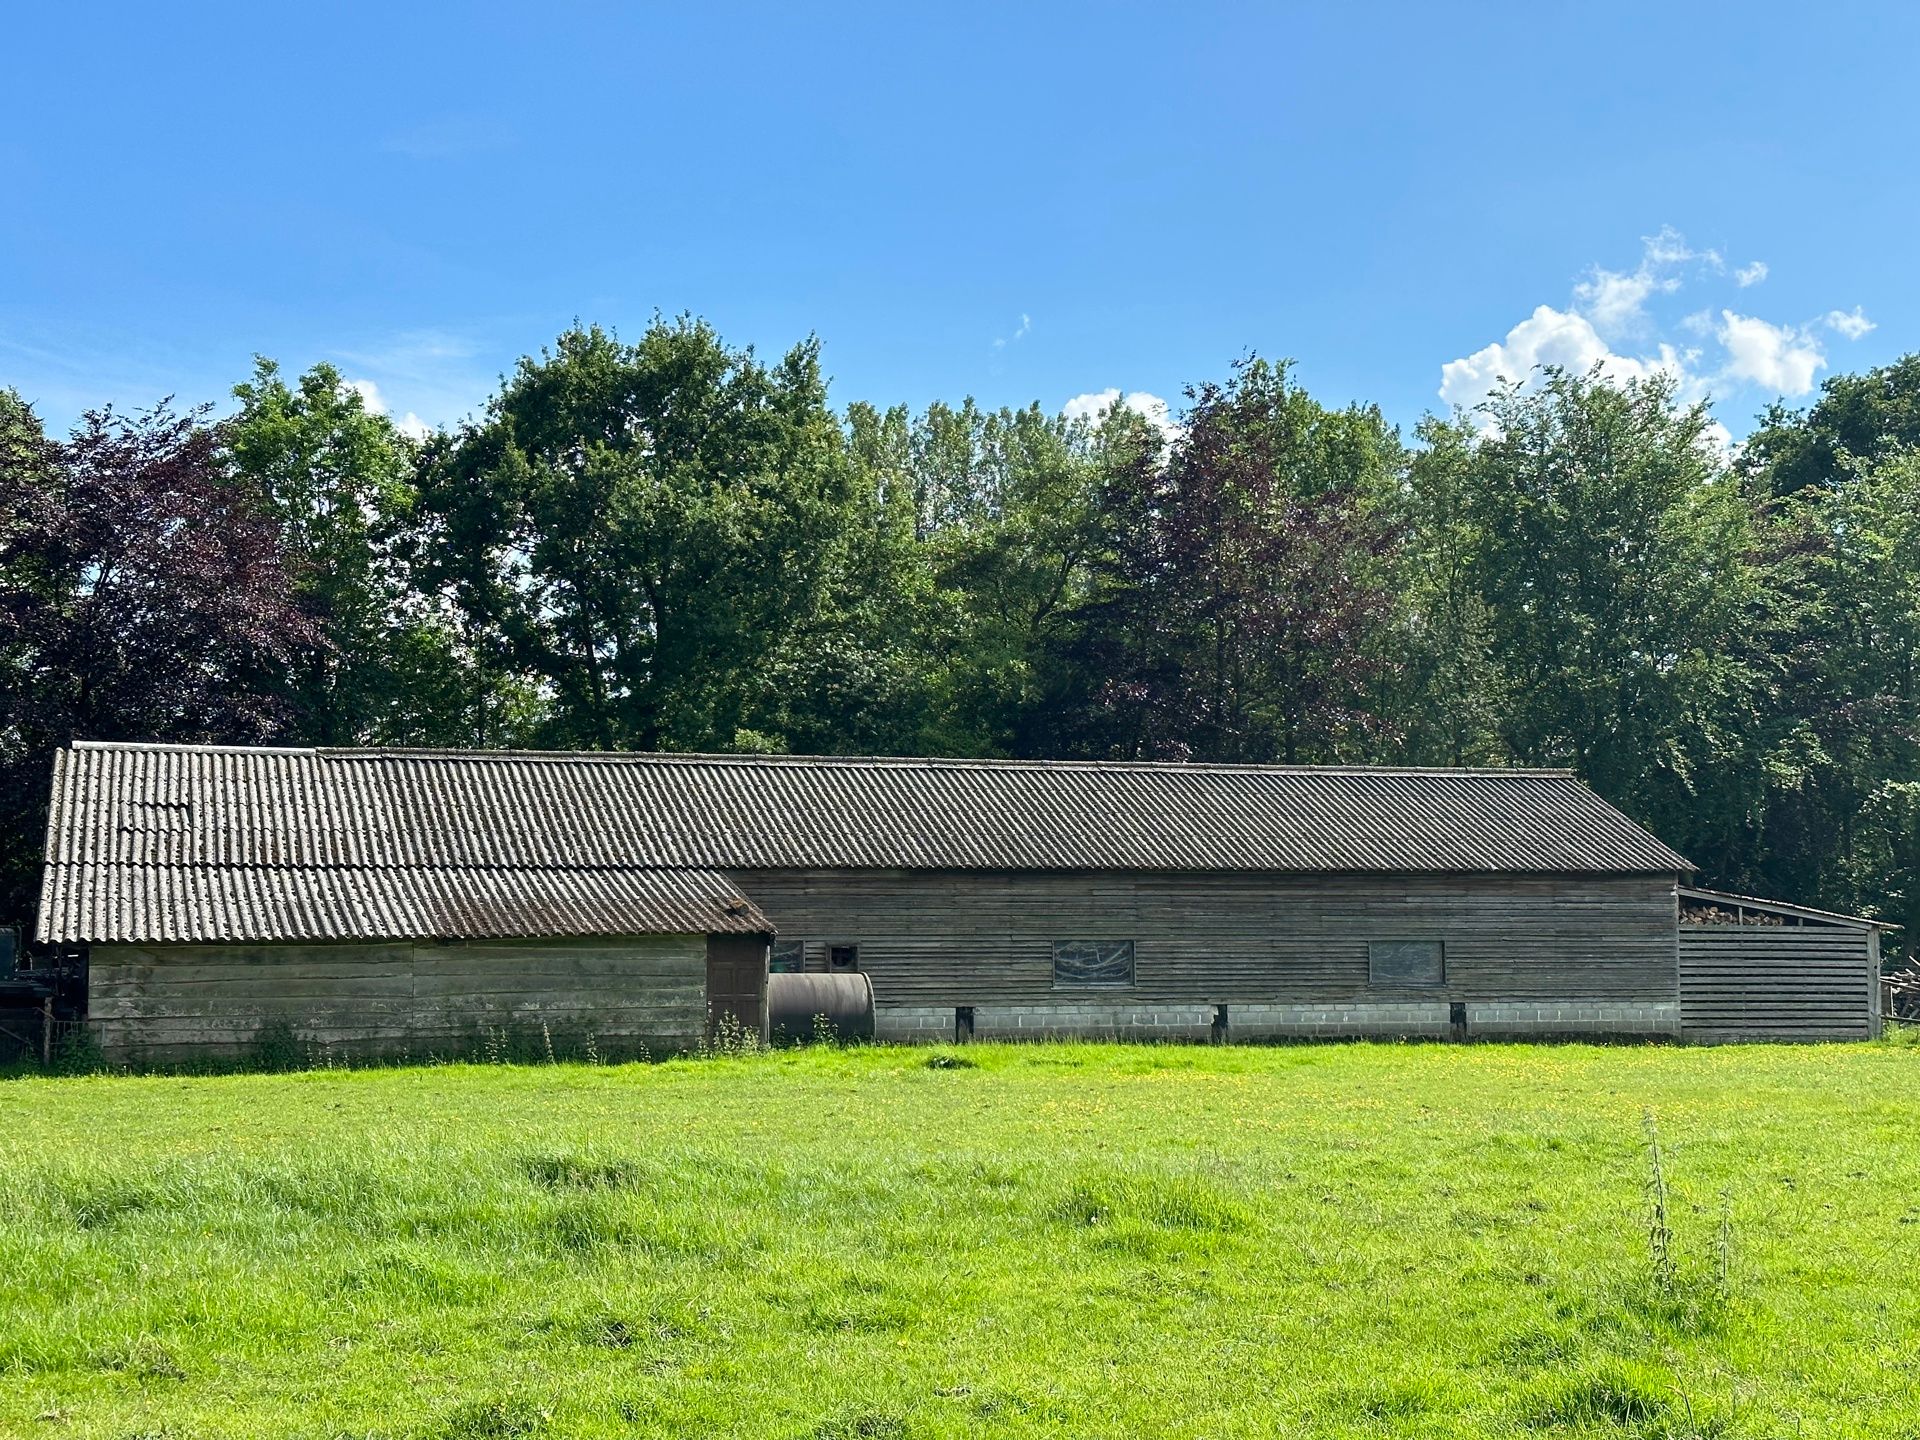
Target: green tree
1875	607
1614	556
1441	698
1834	483
855	674
338	480
1012	567
1857	418
642	526
947	591
1844	819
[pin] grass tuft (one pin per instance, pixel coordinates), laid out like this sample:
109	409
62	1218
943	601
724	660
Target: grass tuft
1614	1393
101	1201
581	1172
492	1419
865	1425
1161	1201
144	1358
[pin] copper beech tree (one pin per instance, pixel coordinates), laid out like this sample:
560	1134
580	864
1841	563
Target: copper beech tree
1243	593
144	595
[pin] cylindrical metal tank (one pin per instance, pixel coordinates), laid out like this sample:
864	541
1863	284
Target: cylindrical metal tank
801	1007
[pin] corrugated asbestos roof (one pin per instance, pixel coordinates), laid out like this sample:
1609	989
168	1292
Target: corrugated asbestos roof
160	842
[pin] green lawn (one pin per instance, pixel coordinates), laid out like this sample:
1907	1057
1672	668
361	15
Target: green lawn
1332	1240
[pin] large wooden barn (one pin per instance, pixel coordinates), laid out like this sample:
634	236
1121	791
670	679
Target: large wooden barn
426	902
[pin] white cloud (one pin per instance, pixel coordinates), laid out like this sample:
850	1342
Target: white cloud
411	425
1550	337
1719	440
1724	351
1850	323
1775	357
1093	405
1019	334
1615	303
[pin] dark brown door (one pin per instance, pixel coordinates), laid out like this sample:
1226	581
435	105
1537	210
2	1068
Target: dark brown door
737	981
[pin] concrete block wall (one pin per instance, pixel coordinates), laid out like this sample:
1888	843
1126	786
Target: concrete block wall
913	1024
1253	1022
1385	1018
928	1025
1521	1018
1121	1021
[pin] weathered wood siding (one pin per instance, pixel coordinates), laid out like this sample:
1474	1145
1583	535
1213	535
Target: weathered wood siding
165	1003
966	938
1778	982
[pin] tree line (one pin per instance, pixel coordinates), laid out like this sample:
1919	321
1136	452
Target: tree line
671	543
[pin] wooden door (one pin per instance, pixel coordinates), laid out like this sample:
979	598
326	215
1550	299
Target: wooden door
737	981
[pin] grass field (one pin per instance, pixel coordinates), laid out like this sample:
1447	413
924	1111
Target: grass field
1331	1240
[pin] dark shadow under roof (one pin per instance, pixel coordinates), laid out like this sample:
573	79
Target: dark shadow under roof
156	830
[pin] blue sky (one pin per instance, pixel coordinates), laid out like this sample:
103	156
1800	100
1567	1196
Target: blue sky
1023	202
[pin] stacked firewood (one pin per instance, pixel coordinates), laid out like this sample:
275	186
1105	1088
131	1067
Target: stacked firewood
1721	915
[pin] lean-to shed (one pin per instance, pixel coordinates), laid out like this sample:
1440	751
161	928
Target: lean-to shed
1754	969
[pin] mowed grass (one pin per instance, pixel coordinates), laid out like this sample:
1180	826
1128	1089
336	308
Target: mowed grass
1073	1240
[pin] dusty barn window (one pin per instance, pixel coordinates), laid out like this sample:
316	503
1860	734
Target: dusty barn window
843	957
789	957
1406	962
1093	962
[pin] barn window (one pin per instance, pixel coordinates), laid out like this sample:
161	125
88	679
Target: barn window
843	957
1093	962
1406	962
789	957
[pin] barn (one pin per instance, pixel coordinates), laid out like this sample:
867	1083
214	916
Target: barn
424	902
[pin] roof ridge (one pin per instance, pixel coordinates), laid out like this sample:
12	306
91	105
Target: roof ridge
436	867
175	746
719	758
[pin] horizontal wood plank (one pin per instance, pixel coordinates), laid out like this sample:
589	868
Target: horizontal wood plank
157	1003
965	938
1775	982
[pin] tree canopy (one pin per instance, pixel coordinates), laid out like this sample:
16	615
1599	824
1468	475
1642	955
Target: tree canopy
669	542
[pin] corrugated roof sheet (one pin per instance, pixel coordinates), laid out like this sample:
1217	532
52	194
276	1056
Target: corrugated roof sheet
153	841
161	903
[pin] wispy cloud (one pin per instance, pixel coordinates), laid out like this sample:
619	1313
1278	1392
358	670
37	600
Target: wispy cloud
1752	274
1019	334
66	372
437	375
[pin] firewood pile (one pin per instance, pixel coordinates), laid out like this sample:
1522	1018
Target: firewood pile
1722	915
